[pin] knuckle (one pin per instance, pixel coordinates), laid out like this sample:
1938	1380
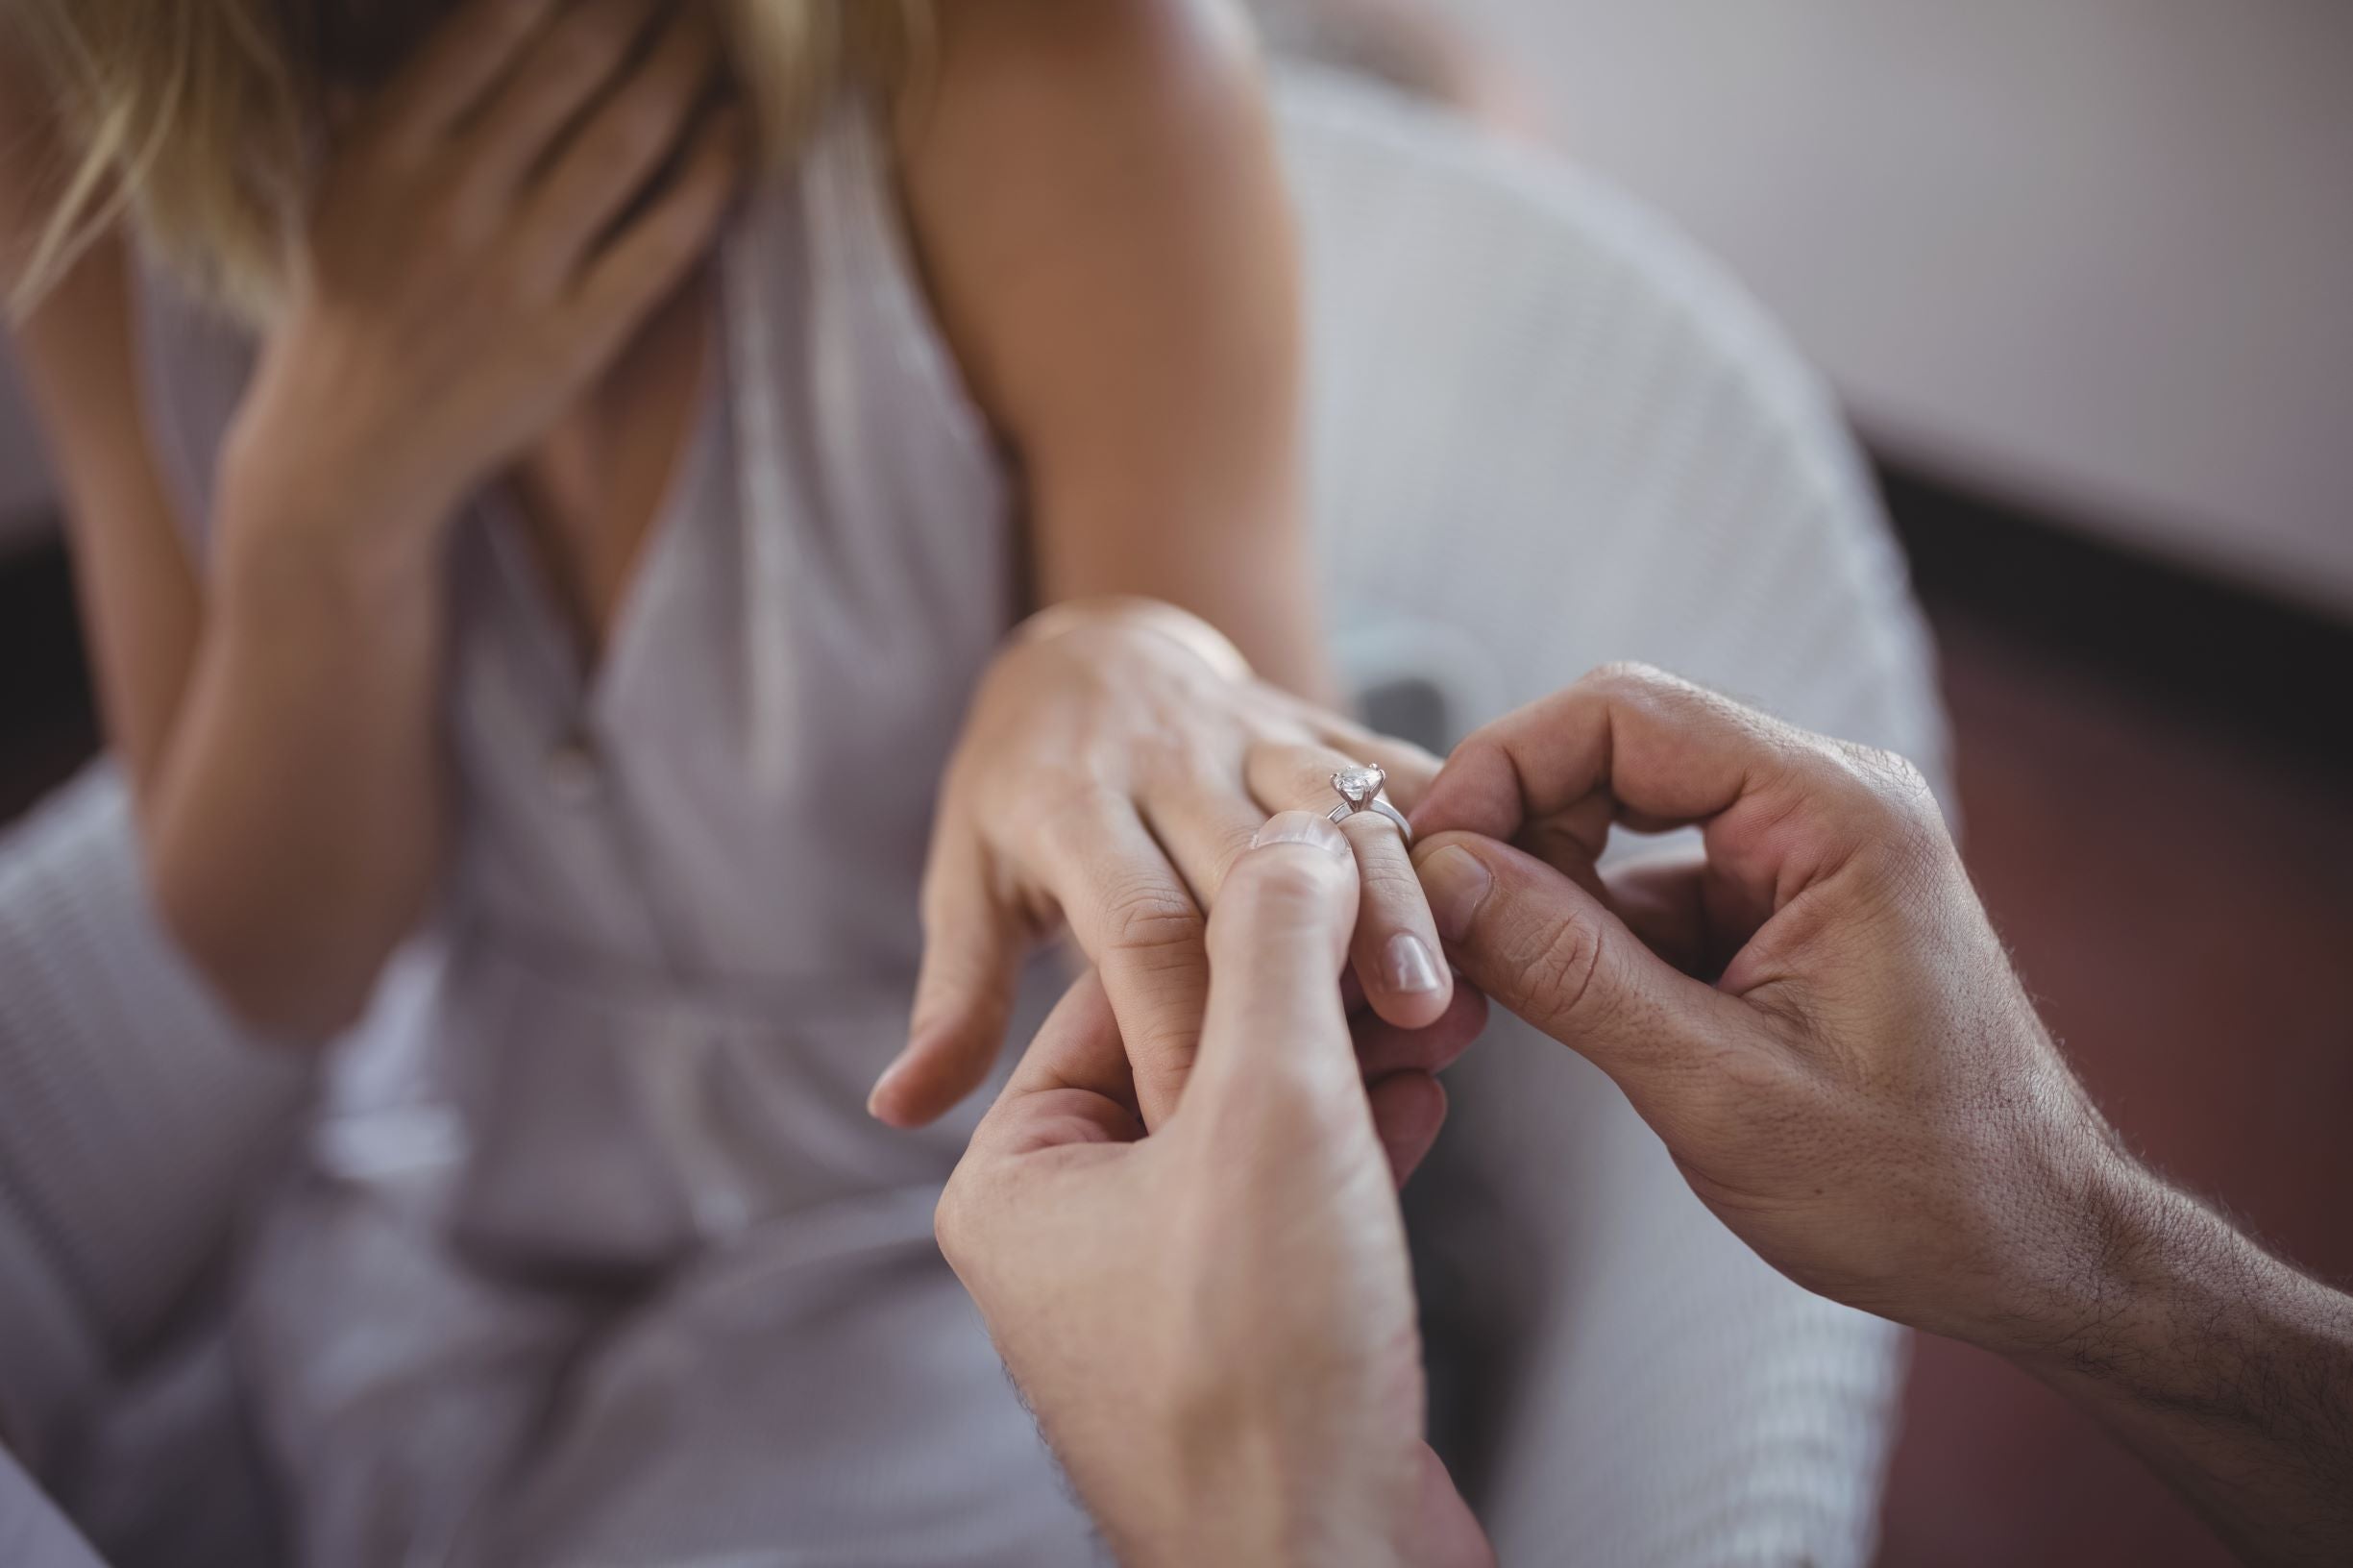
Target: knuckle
951	1219
1065	820
1895	787
1283	888
1233	848
1909	788
1620	671
1630	678
1558	956
1390	881
1298	765
1892	777
1150	918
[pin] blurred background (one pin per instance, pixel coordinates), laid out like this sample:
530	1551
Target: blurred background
2083	272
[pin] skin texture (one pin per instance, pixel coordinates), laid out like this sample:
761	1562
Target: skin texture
1108	781
1091	185
1252	1241
1815	1015
1812	1011
1127	311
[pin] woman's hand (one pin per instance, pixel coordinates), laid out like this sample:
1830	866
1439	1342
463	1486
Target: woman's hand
1112	773
491	229
495	225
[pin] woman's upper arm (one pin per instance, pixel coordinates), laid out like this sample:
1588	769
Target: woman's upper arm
1096	198
140	595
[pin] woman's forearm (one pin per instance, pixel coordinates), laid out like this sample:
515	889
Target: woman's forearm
295	824
1095	190
274	718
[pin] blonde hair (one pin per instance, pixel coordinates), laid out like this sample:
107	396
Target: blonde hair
197	119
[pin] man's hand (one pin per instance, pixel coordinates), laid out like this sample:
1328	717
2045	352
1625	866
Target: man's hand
1814	1014
1856	1082
1215	1324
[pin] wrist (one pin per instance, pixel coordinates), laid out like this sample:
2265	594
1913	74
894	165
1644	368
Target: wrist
302	592
2230	1373
1245	1489
304	458
1254	1519
2157	1300
2066	1272
1220	1505
304	527
1208	1474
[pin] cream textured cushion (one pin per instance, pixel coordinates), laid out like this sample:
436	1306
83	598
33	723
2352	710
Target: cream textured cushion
1548	434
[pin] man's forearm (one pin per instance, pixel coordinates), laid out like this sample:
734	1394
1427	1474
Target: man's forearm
2229	1372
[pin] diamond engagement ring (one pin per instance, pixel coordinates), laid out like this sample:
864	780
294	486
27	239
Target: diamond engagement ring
1360	789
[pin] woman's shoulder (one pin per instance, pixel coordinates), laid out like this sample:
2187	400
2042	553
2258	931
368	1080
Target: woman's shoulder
1136	53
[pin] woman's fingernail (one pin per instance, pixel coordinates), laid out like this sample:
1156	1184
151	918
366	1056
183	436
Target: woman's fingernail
876	1096
1411	969
1456	884
1303	827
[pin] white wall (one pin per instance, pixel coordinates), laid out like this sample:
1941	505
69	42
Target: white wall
2097	254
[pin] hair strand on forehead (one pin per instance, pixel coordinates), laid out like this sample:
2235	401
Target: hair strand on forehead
197	121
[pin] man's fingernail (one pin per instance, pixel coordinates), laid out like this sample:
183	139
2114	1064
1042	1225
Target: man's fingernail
1411	969
1303	827
1456	884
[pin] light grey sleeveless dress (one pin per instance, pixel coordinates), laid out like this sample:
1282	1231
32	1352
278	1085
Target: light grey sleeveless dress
592	1255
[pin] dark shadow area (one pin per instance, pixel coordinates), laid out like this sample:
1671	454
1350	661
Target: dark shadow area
2245	664
48	721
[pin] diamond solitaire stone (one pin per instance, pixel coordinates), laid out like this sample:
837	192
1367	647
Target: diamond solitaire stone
1358	786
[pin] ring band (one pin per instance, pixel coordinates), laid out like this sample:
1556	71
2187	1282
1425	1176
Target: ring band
1360	789
1342	812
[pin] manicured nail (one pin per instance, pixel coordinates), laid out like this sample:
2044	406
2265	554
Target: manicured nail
1411	970
881	1091
1456	884
1304	827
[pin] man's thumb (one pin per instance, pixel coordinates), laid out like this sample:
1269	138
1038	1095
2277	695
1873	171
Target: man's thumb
1548	950
1277	941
